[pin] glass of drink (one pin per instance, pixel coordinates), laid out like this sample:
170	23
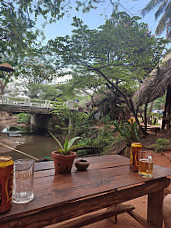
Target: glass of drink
145	168
23	181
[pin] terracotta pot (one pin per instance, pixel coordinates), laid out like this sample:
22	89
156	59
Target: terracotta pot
63	163
81	164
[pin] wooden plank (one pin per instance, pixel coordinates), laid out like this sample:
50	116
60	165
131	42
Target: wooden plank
140	219
43	166
155	201
53	214
96	162
46	169
93	217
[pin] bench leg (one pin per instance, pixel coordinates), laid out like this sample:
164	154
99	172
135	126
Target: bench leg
116	219
120	209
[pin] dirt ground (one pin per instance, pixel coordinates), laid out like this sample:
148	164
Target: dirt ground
124	220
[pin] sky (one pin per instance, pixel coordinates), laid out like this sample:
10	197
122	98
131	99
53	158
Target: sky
96	17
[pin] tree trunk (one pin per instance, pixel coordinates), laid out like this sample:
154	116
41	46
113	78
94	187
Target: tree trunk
151	107
167	111
145	116
2	87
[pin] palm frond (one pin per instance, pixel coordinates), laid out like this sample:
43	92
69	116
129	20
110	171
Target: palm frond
168	29
160	10
165	21
150	6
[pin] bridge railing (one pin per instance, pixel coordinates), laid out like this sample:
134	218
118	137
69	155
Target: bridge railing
25	102
22	101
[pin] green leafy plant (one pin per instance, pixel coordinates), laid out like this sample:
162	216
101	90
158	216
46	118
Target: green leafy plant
96	140
23	118
128	130
67	146
160	144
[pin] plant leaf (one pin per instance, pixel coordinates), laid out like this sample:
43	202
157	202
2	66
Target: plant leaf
71	148
61	151
70	143
66	146
56	140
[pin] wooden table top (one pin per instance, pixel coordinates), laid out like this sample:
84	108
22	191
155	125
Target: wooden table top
105	174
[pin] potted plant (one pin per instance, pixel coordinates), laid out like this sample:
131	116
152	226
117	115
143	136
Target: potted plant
64	156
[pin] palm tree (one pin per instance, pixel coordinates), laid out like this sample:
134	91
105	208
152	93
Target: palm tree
164	10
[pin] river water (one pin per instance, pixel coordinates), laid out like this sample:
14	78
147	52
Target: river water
17	136
37	145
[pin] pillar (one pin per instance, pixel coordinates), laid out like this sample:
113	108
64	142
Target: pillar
39	123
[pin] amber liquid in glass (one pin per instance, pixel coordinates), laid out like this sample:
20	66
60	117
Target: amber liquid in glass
145	168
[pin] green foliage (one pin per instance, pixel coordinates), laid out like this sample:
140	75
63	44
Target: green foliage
128	130
164	12
80	121
67	146
23	118
105	119
82	124
117	56
159	103
115	146
160	144
98	140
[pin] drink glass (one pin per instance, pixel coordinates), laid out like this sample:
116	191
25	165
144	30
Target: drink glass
145	168
23	181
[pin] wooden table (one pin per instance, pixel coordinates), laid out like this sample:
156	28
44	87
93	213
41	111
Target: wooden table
107	181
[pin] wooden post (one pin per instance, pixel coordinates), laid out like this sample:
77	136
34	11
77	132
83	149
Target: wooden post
167	110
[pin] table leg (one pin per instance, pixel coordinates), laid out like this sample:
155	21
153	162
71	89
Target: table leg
154	210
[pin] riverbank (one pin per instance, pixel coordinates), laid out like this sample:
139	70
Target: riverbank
7	120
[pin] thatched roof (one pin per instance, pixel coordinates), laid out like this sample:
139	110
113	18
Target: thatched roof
156	85
100	99
6	67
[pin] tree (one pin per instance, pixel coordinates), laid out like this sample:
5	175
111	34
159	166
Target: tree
121	53
164	10
59	92
16	35
23	14
5	78
17	40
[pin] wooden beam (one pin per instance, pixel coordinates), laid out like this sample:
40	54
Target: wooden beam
140	219
93	217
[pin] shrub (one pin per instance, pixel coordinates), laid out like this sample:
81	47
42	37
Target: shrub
23	117
129	130
160	144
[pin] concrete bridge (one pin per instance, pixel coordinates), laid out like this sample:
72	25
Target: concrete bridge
26	105
41	110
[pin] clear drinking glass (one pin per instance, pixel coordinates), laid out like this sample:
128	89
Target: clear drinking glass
145	168
23	181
